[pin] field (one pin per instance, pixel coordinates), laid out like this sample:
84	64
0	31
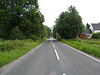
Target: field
90	46
11	50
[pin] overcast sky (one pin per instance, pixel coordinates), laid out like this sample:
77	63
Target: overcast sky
88	9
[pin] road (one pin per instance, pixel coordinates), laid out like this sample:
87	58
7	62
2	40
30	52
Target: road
54	58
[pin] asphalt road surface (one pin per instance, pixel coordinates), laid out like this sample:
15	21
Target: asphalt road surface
54	58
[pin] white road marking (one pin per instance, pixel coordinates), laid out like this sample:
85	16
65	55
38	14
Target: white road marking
64	74
55	51
56	54
82	53
39	46
53	46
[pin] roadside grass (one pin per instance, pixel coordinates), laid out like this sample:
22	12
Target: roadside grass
11	50
90	46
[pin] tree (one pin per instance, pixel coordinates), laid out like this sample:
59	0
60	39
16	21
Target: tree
54	32
47	31
16	34
87	26
23	14
69	24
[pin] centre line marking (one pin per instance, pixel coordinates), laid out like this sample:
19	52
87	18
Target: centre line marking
53	46
64	74
55	51
82	52
56	54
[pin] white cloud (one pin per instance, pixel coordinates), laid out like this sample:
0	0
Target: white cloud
88	9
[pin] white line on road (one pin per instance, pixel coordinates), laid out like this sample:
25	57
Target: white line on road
56	54
64	74
55	51
82	53
53	46
39	46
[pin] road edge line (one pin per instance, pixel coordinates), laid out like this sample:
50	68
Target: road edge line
11	64
81	52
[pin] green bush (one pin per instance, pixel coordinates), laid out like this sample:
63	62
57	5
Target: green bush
34	37
8	45
16	34
16	48
96	35
1	39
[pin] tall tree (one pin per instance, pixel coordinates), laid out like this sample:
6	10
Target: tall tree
54	32
69	24
23	14
87	26
47	31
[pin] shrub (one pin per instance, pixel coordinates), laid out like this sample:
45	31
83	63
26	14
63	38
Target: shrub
1	39
16	34
34	37
9	45
96	35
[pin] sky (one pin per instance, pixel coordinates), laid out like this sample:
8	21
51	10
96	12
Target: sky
89	10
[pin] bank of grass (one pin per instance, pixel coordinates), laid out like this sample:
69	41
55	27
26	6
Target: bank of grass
11	50
90	46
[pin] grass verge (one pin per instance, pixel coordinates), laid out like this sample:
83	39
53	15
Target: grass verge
90	46
11	50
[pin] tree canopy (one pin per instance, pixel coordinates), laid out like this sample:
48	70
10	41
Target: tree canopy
69	24
20	17
87	26
47	31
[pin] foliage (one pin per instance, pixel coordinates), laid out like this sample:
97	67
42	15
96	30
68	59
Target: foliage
12	50
9	45
16	33
87	26
69	24
54	32
47	31
96	35
35	38
20	17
